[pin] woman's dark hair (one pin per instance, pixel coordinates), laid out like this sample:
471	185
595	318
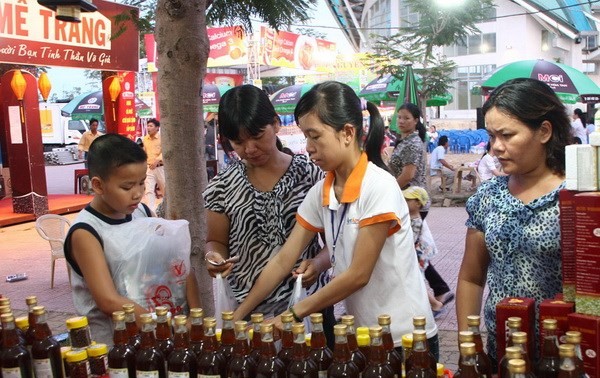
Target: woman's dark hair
532	102
245	108
336	104
487	149
416	113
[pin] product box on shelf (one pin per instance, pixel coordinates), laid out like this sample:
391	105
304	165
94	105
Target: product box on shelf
587	253
559	310
589	326
566	203
524	308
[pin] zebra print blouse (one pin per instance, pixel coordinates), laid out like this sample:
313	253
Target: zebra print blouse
260	222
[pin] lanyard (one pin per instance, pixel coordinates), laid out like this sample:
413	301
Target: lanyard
336	234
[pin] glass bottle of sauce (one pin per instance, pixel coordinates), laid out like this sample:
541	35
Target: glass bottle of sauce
484	366
255	341
14	357
357	356
549	363
464	337
164	338
574	338
133	332
149	361
227	335
269	365
196	331
378	365
211	363
342	365
514	325
511	353
31	302
568	364
182	360
301	366
319	351
287	339
517	368
519	340
45	351
241	364
394	357
419	362
467	367
121	357
407	343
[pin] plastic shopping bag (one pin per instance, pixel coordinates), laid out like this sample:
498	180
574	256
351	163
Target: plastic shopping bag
299	294
150	262
224	299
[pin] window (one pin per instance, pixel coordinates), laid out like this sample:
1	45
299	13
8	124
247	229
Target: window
408	17
475	44
468	77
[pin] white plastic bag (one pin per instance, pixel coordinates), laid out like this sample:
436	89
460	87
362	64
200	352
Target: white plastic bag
299	294
224	299
150	262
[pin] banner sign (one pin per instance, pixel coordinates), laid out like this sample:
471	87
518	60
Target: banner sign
223	79
126	117
31	35
227	46
285	49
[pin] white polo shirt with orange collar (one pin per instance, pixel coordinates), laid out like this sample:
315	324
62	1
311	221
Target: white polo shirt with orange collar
396	286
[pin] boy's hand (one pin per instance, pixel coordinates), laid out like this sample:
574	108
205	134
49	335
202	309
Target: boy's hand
310	272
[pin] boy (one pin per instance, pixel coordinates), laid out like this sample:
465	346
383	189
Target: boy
96	243
416	199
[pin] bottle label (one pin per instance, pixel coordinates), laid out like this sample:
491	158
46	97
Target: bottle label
147	374
43	368
11	372
208	376
118	373
322	373
177	374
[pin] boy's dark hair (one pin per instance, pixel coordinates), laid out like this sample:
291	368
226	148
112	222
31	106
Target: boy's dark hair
111	151
443	140
154	121
92	120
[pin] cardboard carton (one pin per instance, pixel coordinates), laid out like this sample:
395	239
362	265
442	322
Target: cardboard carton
524	308
589	326
566	203
587	253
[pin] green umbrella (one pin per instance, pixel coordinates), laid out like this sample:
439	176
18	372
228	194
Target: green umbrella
383	88
211	95
569	84
286	99
408	93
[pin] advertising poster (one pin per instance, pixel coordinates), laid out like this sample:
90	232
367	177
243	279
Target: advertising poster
31	35
126	118
285	49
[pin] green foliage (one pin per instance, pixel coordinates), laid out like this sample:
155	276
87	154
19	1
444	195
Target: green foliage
276	13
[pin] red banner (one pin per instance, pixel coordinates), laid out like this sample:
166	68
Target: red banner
126	108
223	79
30	34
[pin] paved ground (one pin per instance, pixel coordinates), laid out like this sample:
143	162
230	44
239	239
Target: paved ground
23	250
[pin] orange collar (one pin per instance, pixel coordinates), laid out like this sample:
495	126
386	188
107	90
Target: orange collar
352	188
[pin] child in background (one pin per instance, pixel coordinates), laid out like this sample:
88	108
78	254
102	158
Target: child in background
417	200
94	245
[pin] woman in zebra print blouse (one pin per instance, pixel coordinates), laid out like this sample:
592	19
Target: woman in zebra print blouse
251	206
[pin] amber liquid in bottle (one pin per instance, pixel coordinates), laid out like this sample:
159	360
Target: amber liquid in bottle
301	366
467	366
241	364
45	351
31	303
358	357
182	359
419	362
269	365
514	325
568	362
393	357
574	338
513	352
149	358
482	361
211	363
255	342
196	331
133	332
378	366
227	335
549	363
342	365
520	340
164	338
319	351
121	357
14	357
287	339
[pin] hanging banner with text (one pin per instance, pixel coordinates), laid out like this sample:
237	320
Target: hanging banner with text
285	49
126	119
31	35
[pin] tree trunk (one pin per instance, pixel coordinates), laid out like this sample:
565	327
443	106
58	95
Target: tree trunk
182	47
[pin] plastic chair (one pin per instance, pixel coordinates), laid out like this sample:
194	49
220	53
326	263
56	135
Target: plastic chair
54	228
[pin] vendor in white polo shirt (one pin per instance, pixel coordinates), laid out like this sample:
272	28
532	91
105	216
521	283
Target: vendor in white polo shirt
364	216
